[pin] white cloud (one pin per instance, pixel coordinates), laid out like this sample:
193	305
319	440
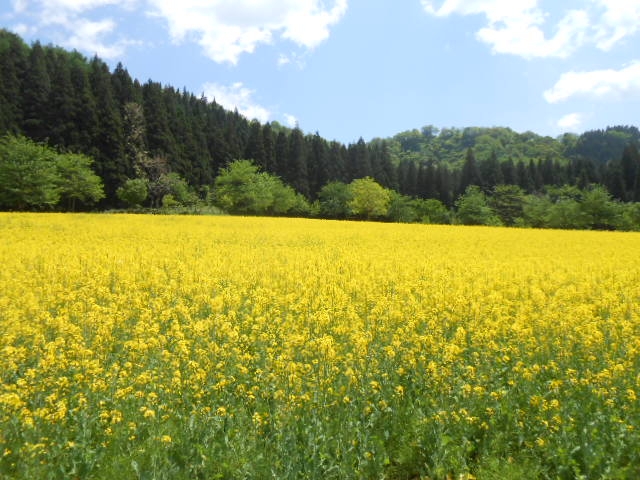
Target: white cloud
74	29
225	29
87	36
19	6
570	122
283	60
22	29
291	120
517	27
236	96
621	18
596	83
228	28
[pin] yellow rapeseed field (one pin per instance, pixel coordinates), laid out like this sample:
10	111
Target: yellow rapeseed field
227	347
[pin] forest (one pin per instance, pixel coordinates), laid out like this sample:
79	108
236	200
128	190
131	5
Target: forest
151	146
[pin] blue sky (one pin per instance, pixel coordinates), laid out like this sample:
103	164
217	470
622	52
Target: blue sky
369	68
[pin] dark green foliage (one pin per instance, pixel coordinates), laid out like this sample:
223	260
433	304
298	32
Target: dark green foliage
473	208
402	208
36	88
13	63
599	210
603	146
296	171
334	200
108	136
507	202
432	211
318	163
470	174
491	172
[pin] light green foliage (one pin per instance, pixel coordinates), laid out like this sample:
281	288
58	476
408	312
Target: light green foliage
242	188
27	175
370	199
76	180
134	192
35	176
473	208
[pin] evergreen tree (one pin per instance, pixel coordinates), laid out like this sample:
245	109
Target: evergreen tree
445	185
255	145
281	158
523	174
124	91
61	115
159	137
630	169
318	164
296	173
108	138
408	178
361	163
336	168
84	107
509	173
430	189
508	202
36	89
13	63
269	147
491	171
470	173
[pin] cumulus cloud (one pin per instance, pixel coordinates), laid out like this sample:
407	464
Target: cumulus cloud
517	27
74	28
570	122
87	36
596	83
226	29
236	96
291	120
620	19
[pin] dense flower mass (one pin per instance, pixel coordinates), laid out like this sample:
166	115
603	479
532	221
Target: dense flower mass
220	347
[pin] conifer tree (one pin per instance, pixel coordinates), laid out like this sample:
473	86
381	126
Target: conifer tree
108	138
13	63
470	174
36	89
296	170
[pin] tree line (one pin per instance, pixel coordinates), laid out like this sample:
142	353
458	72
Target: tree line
156	146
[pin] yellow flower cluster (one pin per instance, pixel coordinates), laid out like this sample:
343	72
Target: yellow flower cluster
119	330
